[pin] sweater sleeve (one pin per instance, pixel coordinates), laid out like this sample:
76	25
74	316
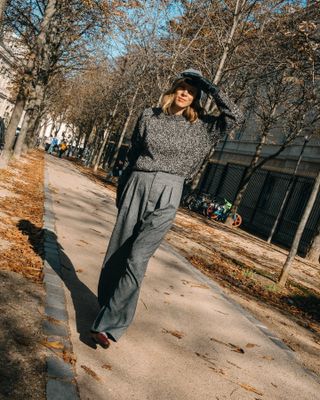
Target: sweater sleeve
230	115
133	154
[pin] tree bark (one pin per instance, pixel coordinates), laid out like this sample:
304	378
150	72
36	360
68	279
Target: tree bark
106	138
124	130
3	4
247	176
11	130
38	84
216	80
235	23
294	247
22	135
33	110
284	201
102	148
314	251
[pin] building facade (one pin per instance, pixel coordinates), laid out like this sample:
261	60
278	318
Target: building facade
267	187
6	77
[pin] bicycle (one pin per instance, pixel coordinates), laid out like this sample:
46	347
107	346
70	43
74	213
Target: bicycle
198	203
221	212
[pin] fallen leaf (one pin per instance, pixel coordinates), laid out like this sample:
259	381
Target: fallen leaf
53	320
53	345
69	357
176	334
200	285
269	358
218	370
90	372
107	366
95	230
251	345
144	304
234	365
221	312
233	347
250	388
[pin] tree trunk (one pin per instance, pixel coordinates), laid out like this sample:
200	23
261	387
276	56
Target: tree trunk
77	145
3	4
236	17
18	148
124	130
245	180
37	83
284	201
30	122
102	148
294	247
216	80
11	130
197	178
106	138
314	251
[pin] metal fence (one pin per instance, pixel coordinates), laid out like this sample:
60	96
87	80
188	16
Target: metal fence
262	201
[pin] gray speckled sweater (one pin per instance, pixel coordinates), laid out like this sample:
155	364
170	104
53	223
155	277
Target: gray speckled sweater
169	143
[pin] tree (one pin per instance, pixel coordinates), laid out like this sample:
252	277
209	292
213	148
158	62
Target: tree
287	100
3	4
294	247
58	36
223	46
314	251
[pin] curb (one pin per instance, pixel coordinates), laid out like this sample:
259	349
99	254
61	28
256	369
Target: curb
61	378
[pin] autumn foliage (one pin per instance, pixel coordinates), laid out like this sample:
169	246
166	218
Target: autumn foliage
21	207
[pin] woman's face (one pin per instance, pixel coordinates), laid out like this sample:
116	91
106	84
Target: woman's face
184	95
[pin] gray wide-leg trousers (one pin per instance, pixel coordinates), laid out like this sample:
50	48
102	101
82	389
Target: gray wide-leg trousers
147	208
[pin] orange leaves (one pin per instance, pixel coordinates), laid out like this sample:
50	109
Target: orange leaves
177	334
55	345
250	388
90	372
22	209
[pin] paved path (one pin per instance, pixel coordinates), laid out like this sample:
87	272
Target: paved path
188	341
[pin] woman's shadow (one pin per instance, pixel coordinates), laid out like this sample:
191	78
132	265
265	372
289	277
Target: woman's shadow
45	243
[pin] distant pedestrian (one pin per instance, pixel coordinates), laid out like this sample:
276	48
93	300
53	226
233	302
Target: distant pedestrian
62	148
47	142
54	145
117	170
168	146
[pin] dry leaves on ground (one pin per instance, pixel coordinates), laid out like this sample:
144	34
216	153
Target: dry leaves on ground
90	372
176	334
21	225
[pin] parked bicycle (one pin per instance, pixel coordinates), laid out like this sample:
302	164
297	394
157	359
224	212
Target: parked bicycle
221	212
198	203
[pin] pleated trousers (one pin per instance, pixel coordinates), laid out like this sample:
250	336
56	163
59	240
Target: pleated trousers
147	208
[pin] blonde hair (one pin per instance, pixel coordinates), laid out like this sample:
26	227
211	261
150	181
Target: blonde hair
191	113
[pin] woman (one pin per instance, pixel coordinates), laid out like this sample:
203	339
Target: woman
169	144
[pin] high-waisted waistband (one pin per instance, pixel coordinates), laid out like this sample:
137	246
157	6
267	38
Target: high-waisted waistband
160	176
